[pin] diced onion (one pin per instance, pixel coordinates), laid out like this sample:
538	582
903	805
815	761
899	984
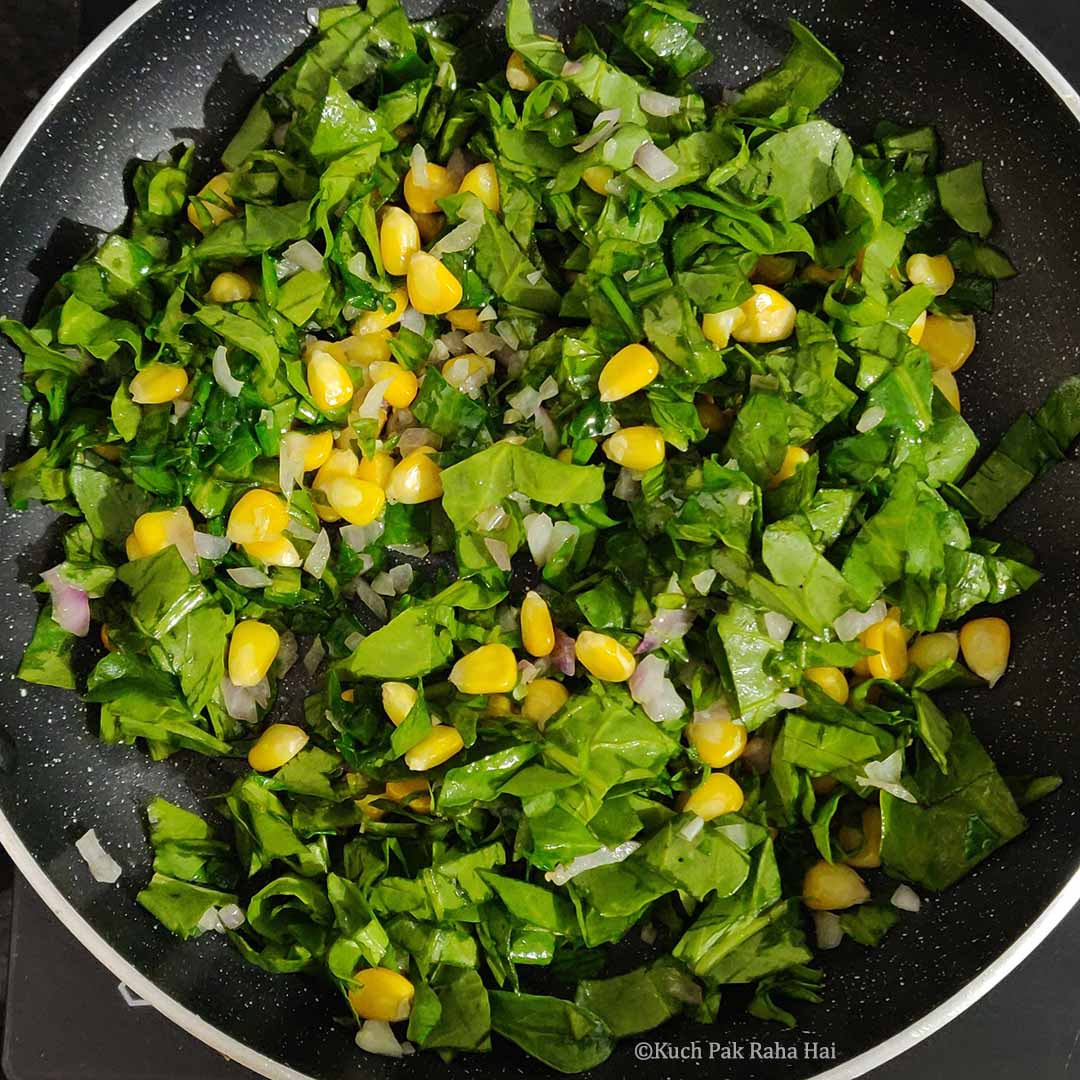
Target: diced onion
211	547
563	655
505	329
777	626
499	552
657	104
70	605
790	701
654	163
360	537
852	623
413	320
291	455
231	916
287	654
377	1037
764	382
411	551
906	899
538	530
353	640
666	625
454	342
717	711
827	929
383	584
483	343
571	67
460	238
885	775
692	829
209	921
492	519
703	582
413	438
604	856
649	934
248	577
241	701
103	867
318	556
370	599
373	400
301	531
305	255
439	353
486	314
603	128
402	577
314	656
627	486
223	376
651	688
418	163
870	419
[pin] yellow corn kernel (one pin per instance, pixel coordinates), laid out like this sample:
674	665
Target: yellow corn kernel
157	384
638	448
831	680
150	533
769	317
490	669
229	288
500	705
794	457
468	371
718	326
398	699
518	75
929	650
985	644
376	469
258	515
403	385
718	742
537	631
430	225
423	193
604	657
949	341
465	319
433	290
833	887
566	456
712	417
214	201
381	994
359	502
434	749
132	549
339	463
348	695
329	381
868	855
934	271
363	349
715	796
317	447
945	381
543	699
597	178
483	182
415	479
399	239
889	642
917	329
278	744
252	649
276	551
773	269
631	369
406	792
372	322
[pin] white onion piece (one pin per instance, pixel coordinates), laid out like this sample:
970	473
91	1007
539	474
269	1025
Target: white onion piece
790	701
231	916
764	382
312	16
743	498
412	551
738	834
885	775
482	343
547	429
651	688
383	584
460	238
562	533
413	438
657	104
777	626
239	701
627	486
649	934
305	255
499	552
654	163
852	623
359	537
505	329
377	1037
318	556
209	921
103	867
870	419
717	712
538	530
827	929
492	519
287	654
413	320
180	532
563	655
703	582
402	577
291	455
604	856
666	625
454	341
314	656
181	407
370	599
439	353
906	899
692	829
373	400
223	376
248	577
418	163
571	67
301	531
527	671
603	128
532	278
358	267
211	547
486	314
352	642
70	605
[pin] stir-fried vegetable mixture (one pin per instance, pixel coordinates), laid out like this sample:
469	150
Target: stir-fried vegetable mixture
599	449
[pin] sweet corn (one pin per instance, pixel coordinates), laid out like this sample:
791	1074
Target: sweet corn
381	994
769	317
638	448
403	385
214	201
949	341
434	749
604	657
718	742
500	705
229	288
831	680
433	290
773	269
889	642
718	326
518	75
543	699
934	271
252	649
157	384
258	515
372	322
917	329
833	887
715	796
868	855
631	369
150	533
415	479
359	502
398	699
793	459
339	463
423	193
985	644
406	792
329	381
132	549
277	551
597	178
317	449
399	239
483	182
929	650
468	372
537	631
490	669
278	744
376	469
466	319
348	695
363	349
945	381
430	225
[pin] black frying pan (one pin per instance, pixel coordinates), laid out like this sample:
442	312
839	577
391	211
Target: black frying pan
179	68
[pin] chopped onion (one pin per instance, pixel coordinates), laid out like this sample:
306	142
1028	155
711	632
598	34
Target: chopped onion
483	343
383	584
790	701
492	519
103	867
460	238
666	625
504	328
372	404
454	341
627	486
571	68
527	671
654	163
305	255
239	701
211	547
655	692
180	532
738	834
418	163
291	455
413	320
438	353
603	128
906	899
314	656
870	419
562	533
413	438
301	531
181	407
209	921
533	278
288	651
499	552
692	829
716	712
777	626
743	498
318	556
70	605
312	16
377	1037
358	267
248	577
231	916
547	429
827	929
764	382
412	551
402	577
486	314
223	376
563	655
657	104
852	623
649	934
352	642
703	582
360	537
885	775
604	856
370	599
538	530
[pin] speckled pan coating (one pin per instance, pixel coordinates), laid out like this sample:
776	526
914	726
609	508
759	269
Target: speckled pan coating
190	68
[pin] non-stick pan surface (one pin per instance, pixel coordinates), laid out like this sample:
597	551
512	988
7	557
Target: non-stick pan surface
190	68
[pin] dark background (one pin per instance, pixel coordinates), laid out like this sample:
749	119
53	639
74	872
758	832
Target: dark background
63	1014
